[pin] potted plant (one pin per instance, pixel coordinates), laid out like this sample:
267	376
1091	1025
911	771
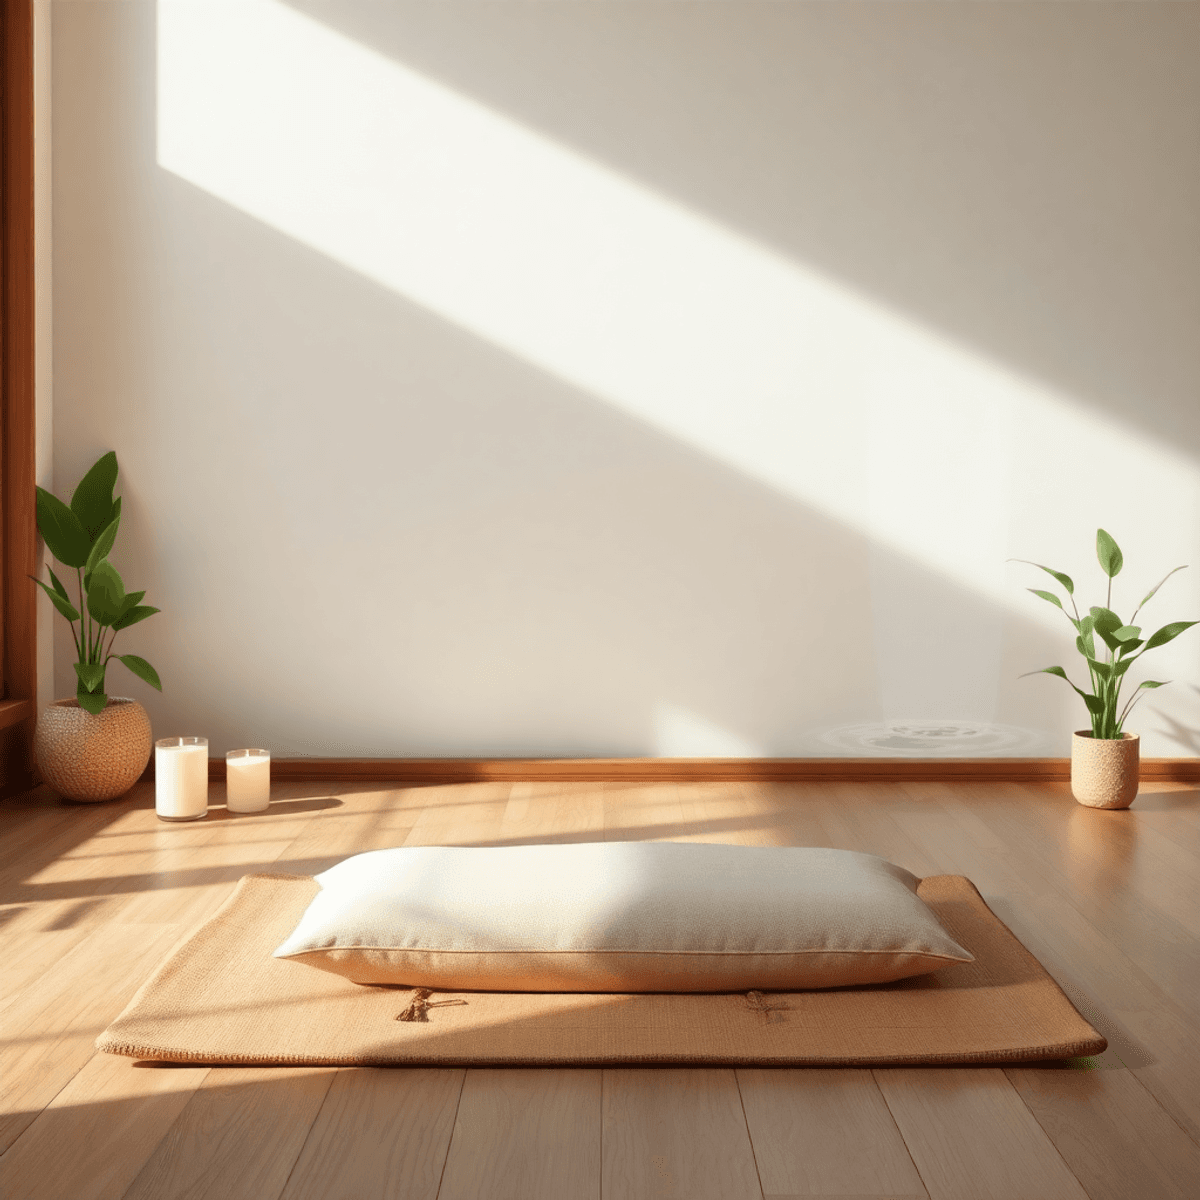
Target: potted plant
93	746
1104	759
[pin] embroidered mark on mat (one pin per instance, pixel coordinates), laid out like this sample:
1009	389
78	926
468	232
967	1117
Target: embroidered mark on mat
420	1005
767	1008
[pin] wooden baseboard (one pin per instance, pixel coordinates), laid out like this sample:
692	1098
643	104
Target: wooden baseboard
13	712
694	770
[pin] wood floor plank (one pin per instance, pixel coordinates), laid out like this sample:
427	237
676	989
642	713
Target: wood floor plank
461	815
552	812
32	953
857	817
238	1136
112	1115
825	1133
141	870
726	813
677	1133
186	886
50	1026
1114	901
1173	1077
1152	1036
295	811
47	828
1112	1133
1169	806
527	1134
376	820
797	819
1060	921
640	812
972	1138
86	890
380	1133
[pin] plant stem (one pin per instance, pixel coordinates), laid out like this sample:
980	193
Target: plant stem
84	630
1131	702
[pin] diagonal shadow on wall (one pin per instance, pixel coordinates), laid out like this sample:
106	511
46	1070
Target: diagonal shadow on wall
1020	177
394	537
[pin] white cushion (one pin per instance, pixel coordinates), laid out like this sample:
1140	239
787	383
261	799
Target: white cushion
620	917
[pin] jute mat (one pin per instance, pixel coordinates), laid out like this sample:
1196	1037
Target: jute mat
221	998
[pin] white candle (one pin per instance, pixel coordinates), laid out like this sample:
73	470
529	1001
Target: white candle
247	780
181	778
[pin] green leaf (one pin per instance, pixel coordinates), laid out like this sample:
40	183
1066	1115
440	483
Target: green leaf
1106	623
1104	620
1159	584
1087	624
1128	648
91	676
142	669
1103	669
1168	633
1046	596
102	546
1126	633
58	585
1094	703
132	599
106	594
93	702
92	502
133	615
1109	553
1151	683
1065	580
63	605
65	537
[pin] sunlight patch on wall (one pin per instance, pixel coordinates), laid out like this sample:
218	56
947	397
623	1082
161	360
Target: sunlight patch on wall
768	367
681	733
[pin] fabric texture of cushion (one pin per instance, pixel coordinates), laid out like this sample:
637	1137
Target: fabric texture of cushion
620	917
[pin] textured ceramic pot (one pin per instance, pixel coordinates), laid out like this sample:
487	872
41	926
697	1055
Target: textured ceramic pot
1104	771
92	758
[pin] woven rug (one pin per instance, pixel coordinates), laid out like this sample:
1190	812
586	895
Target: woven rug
221	998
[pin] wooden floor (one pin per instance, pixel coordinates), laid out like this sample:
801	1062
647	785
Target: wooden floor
94	896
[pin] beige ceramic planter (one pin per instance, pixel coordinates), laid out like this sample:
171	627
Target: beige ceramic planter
1104	771
91	758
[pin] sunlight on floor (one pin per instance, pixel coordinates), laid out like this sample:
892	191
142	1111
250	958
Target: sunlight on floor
726	345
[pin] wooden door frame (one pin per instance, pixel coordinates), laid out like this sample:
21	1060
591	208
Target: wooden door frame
18	535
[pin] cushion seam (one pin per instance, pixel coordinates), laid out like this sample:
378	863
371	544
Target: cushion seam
657	953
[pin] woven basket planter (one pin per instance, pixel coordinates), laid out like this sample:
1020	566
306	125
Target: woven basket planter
1104	771
92	758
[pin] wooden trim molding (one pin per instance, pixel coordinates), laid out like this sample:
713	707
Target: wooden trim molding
13	712
19	531
694	770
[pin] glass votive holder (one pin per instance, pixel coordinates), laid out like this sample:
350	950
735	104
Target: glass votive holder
181	778
247	780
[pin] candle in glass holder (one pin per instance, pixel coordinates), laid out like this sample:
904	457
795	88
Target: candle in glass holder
181	778
247	780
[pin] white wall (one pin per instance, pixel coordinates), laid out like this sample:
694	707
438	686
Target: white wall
43	319
641	378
